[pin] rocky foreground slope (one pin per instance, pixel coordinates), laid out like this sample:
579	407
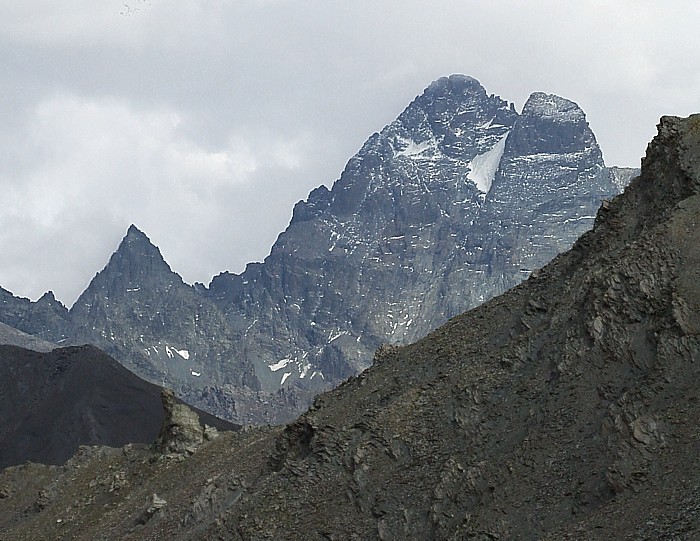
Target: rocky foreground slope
458	199
567	408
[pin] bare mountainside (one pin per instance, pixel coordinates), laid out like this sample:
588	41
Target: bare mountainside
567	408
458	199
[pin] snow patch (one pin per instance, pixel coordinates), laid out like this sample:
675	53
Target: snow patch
413	148
415	151
483	167
183	353
195	374
250	327
280	364
284	377
578	218
332	336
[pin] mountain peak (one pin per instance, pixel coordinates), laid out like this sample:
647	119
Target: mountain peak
137	242
550	124
451	92
572	398
49	298
444	128
454	81
134	233
551	106
137	260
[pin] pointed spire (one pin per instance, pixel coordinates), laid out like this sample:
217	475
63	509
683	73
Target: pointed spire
48	298
134	233
136	238
133	230
136	256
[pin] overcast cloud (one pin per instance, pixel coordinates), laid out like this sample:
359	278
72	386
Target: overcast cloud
204	121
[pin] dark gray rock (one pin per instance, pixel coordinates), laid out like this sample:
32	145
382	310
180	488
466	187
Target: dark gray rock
47	318
54	402
456	201
140	311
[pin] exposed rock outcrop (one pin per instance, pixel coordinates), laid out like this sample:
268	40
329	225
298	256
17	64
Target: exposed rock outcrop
181	432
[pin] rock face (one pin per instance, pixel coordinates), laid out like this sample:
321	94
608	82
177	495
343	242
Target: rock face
566	408
181	431
457	200
52	403
140	311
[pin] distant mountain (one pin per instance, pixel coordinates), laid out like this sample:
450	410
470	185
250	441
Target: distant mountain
47	318
141	311
566	408
458	199
53	402
12	337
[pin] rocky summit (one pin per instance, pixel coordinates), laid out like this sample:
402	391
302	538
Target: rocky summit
457	200
566	408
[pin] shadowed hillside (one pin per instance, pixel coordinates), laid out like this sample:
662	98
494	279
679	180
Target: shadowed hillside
54	402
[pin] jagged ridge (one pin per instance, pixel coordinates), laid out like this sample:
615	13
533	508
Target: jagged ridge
455	201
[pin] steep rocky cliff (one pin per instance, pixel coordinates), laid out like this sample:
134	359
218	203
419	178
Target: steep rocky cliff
454	202
566	408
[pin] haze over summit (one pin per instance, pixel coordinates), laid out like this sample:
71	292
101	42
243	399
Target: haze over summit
203	125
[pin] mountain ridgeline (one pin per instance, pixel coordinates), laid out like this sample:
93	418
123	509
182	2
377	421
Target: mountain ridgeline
457	200
565	408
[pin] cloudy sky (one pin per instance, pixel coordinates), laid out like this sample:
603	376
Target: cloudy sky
204	121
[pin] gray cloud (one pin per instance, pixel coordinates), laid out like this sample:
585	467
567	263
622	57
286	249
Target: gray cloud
203	122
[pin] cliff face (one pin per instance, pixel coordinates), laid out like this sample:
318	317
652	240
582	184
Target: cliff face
566	408
457	200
